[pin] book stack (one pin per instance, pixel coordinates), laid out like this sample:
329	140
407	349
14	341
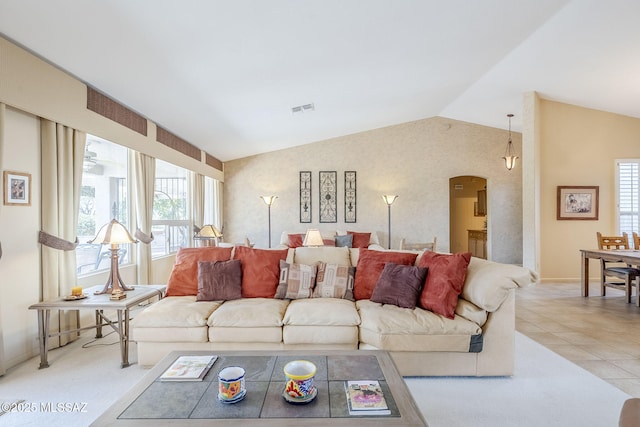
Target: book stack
189	368
365	398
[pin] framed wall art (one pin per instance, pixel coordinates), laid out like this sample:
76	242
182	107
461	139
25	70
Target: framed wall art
577	202
350	196
17	188
305	196
328	192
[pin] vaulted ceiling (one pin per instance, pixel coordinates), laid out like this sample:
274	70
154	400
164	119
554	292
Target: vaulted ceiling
224	75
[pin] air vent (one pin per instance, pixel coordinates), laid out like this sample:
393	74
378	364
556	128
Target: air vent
303	108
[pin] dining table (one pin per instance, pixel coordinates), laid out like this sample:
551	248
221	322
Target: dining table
628	256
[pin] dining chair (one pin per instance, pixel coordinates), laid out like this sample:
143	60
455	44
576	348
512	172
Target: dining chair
611	270
430	246
636	240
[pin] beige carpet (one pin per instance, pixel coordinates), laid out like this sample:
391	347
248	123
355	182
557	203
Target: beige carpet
546	390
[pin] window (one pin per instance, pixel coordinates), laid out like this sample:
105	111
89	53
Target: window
212	202
171	216
628	195
103	196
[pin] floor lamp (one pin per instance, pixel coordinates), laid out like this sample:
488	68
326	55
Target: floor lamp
269	201
389	199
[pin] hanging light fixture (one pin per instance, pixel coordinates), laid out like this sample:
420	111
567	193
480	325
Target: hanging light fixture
509	157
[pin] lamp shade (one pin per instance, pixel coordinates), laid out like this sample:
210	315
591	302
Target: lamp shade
313	238
113	233
389	198
208	231
269	199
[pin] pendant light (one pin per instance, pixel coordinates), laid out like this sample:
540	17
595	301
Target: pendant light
509	157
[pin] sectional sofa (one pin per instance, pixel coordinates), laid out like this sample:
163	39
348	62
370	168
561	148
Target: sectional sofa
459	320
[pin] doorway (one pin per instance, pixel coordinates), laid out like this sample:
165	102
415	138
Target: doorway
468	215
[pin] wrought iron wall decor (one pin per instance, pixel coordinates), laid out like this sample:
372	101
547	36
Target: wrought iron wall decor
350	196
328	202
305	196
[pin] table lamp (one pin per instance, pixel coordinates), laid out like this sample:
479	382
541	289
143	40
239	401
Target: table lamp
313	238
114	234
207	233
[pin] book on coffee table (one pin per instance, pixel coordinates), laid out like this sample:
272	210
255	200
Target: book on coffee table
189	368
365	397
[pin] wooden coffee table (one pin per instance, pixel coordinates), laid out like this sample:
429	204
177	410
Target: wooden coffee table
152	402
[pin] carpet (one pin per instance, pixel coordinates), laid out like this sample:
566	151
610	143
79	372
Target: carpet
546	390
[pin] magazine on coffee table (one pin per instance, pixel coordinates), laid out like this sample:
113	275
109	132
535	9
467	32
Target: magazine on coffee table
189	368
365	397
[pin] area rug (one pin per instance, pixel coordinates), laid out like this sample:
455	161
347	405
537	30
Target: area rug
546	390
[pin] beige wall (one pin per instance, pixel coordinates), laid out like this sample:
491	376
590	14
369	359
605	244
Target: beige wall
578	147
414	160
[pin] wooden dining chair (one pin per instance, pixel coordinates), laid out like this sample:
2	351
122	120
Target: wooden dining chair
636	240
430	246
611	270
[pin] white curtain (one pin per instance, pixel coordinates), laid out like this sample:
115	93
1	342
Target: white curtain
62	154
2	124
198	199
218	200
145	173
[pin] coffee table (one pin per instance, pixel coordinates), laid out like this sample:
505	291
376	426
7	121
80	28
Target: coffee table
152	402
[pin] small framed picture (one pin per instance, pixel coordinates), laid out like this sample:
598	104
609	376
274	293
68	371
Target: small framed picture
578	202
17	188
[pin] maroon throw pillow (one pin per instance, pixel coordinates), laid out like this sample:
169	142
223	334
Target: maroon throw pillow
260	270
444	283
219	280
295	240
399	285
360	240
370	266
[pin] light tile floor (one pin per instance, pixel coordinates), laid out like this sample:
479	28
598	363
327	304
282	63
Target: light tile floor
600	334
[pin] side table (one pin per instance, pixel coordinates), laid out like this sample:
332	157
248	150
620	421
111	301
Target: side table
99	303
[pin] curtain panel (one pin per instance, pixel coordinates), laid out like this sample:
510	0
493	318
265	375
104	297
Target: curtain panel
198	199
145	176
62	155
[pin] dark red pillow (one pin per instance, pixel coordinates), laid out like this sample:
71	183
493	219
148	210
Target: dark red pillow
370	266
399	285
360	240
444	283
184	275
260	270
295	240
219	280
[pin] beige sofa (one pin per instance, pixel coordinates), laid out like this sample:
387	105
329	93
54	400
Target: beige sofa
479	341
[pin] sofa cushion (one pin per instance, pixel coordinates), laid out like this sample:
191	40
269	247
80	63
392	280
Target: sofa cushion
184	274
249	313
321	312
328	254
326	336
334	281
219	280
345	241
296	281
488	283
399	285
295	240
389	327
176	312
260	270
444	282
360	240
370	266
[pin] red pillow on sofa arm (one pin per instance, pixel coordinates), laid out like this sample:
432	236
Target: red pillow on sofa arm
260	270
360	240
184	275
445	280
370	266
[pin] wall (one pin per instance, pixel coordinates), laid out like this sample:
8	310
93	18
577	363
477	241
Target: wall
414	160
578	147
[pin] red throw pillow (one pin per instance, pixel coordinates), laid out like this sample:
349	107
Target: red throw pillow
444	281
360	240
184	275
370	266
295	240
260	270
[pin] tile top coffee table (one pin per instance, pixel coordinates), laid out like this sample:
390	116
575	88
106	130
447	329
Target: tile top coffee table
153	402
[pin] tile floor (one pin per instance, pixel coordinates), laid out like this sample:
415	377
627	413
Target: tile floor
600	334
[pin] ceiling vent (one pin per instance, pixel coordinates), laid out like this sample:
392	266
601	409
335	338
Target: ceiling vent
303	108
